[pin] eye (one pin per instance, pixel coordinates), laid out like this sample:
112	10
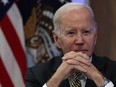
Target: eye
71	33
86	32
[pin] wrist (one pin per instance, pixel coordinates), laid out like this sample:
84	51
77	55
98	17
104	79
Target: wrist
54	81
99	80
106	81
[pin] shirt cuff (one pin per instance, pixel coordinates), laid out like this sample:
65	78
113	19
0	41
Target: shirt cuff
110	84
46	85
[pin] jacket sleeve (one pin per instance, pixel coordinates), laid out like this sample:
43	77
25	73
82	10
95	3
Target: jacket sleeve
30	79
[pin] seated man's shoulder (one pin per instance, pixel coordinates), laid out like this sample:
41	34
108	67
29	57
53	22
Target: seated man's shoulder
47	65
41	73
106	66
105	60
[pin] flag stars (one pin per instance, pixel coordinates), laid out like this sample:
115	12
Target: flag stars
5	2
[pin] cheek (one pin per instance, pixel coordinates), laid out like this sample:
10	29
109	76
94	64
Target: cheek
67	45
91	43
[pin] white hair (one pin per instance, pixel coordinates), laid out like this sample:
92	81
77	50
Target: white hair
68	7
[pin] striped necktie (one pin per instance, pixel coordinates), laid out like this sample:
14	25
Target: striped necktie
74	81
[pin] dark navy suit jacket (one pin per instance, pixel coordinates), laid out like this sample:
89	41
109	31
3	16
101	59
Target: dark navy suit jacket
38	75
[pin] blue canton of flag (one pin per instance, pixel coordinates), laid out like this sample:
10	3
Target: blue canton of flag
4	6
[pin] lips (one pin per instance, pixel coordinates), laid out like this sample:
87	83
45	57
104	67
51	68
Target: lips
83	51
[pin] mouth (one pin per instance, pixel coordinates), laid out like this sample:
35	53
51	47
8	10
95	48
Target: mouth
83	51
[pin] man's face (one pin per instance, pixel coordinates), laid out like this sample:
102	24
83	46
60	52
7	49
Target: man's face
77	32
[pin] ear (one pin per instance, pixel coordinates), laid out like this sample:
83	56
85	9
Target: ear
56	39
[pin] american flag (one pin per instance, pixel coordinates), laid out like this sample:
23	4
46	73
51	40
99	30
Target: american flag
12	46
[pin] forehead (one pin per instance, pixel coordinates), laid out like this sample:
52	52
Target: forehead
76	13
76	17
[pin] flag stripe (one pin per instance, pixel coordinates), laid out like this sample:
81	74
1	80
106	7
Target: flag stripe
0	85
12	46
14	43
10	63
4	78
18	26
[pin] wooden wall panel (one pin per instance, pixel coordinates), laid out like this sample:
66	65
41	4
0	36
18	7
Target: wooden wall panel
105	13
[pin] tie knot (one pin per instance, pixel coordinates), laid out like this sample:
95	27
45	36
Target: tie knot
75	75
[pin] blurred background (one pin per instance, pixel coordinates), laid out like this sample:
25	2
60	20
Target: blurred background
26	34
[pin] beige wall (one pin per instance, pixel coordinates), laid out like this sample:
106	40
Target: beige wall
105	12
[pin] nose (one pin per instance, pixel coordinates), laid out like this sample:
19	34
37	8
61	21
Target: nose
79	39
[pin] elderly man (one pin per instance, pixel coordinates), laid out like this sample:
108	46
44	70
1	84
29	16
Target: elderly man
75	33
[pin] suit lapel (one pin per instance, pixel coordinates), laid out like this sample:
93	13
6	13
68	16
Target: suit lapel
98	63
65	83
90	83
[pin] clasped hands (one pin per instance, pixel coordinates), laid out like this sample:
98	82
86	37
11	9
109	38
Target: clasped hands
77	62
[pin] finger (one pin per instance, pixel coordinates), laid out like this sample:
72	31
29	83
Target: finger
64	70
80	60
84	56
69	55
73	54
81	57
83	60
80	68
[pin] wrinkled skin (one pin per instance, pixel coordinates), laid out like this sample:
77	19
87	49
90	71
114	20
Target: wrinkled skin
77	39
